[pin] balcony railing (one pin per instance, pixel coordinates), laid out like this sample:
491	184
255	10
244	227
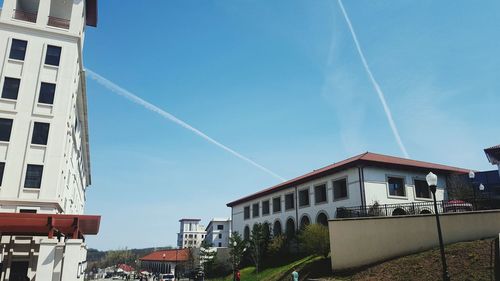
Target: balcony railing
418	208
25	16
58	22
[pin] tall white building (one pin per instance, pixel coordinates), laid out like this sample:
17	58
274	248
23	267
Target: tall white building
191	233
218	232
44	139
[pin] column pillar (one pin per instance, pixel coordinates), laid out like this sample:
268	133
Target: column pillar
45	264
72	256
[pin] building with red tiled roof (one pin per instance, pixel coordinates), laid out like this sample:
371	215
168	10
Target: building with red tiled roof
164	261
361	180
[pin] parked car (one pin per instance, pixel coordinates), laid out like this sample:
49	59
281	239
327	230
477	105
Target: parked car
167	277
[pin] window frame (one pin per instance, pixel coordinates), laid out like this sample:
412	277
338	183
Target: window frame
293	201
280	207
46	56
346	179
268	207
33	134
26	175
326	193
10	132
40	93
2	172
414	179
308	197
11	49
258	210
245	208
3	88
389	195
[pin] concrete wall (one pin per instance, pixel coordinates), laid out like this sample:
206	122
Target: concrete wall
358	242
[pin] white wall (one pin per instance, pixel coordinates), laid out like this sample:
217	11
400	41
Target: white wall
213	233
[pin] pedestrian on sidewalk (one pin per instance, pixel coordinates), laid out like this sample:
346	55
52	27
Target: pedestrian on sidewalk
295	275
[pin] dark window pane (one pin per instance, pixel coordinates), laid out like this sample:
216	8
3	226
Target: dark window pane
220	227
289	204
265	207
396	186
255	210
246	212
339	189
47	91
5	129
18	49
33	176
276	204
320	193
304	197
53	55
40	133
27	211
10	88
2	167
422	189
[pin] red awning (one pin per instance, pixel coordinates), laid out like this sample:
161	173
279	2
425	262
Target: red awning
47	224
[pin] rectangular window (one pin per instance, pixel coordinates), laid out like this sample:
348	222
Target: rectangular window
220	236
47	91
246	212
2	167
289	201
18	49
27	211
265	207
340	189
220	244
220	227
255	210
5	129
277	205
53	55
422	189
33	176
396	186
40	133
10	88
304	198
320	193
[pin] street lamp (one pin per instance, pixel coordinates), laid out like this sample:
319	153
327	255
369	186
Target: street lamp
234	260
161	268
432	182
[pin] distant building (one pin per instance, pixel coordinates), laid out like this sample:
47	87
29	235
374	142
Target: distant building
191	233
315	197
165	261
493	154
218	232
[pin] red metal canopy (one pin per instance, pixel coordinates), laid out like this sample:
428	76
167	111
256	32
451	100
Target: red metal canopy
47	224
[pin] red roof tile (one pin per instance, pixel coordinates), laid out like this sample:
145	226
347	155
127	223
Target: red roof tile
170	255
367	158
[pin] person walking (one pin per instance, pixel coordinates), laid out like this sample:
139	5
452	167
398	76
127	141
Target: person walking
238	275
295	275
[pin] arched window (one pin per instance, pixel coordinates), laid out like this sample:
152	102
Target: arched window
277	228
246	233
290	228
322	219
266	229
304	221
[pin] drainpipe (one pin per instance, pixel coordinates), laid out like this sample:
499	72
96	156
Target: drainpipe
361	176
296	211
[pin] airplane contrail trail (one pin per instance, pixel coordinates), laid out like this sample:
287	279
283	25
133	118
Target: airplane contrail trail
135	99
375	84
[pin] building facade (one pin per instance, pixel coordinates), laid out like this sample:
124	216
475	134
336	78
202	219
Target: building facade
44	139
362	180
191	233
166	261
218	232
493	155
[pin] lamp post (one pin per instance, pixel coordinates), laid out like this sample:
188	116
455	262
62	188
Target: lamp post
161	268
234	260
432	182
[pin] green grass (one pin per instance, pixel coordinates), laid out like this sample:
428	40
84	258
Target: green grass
273	273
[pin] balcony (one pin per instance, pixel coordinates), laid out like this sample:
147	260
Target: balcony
58	22
25	16
419	208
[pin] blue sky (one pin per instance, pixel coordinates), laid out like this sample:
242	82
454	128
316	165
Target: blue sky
280	82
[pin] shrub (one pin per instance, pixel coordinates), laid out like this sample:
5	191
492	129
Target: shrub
315	239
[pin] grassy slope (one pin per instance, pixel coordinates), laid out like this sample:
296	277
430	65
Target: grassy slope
466	261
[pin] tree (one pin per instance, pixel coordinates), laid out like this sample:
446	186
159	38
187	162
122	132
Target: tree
315	240
257	245
208	257
237	247
277	246
459	187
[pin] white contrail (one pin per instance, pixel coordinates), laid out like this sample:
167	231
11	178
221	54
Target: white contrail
375	84
128	95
